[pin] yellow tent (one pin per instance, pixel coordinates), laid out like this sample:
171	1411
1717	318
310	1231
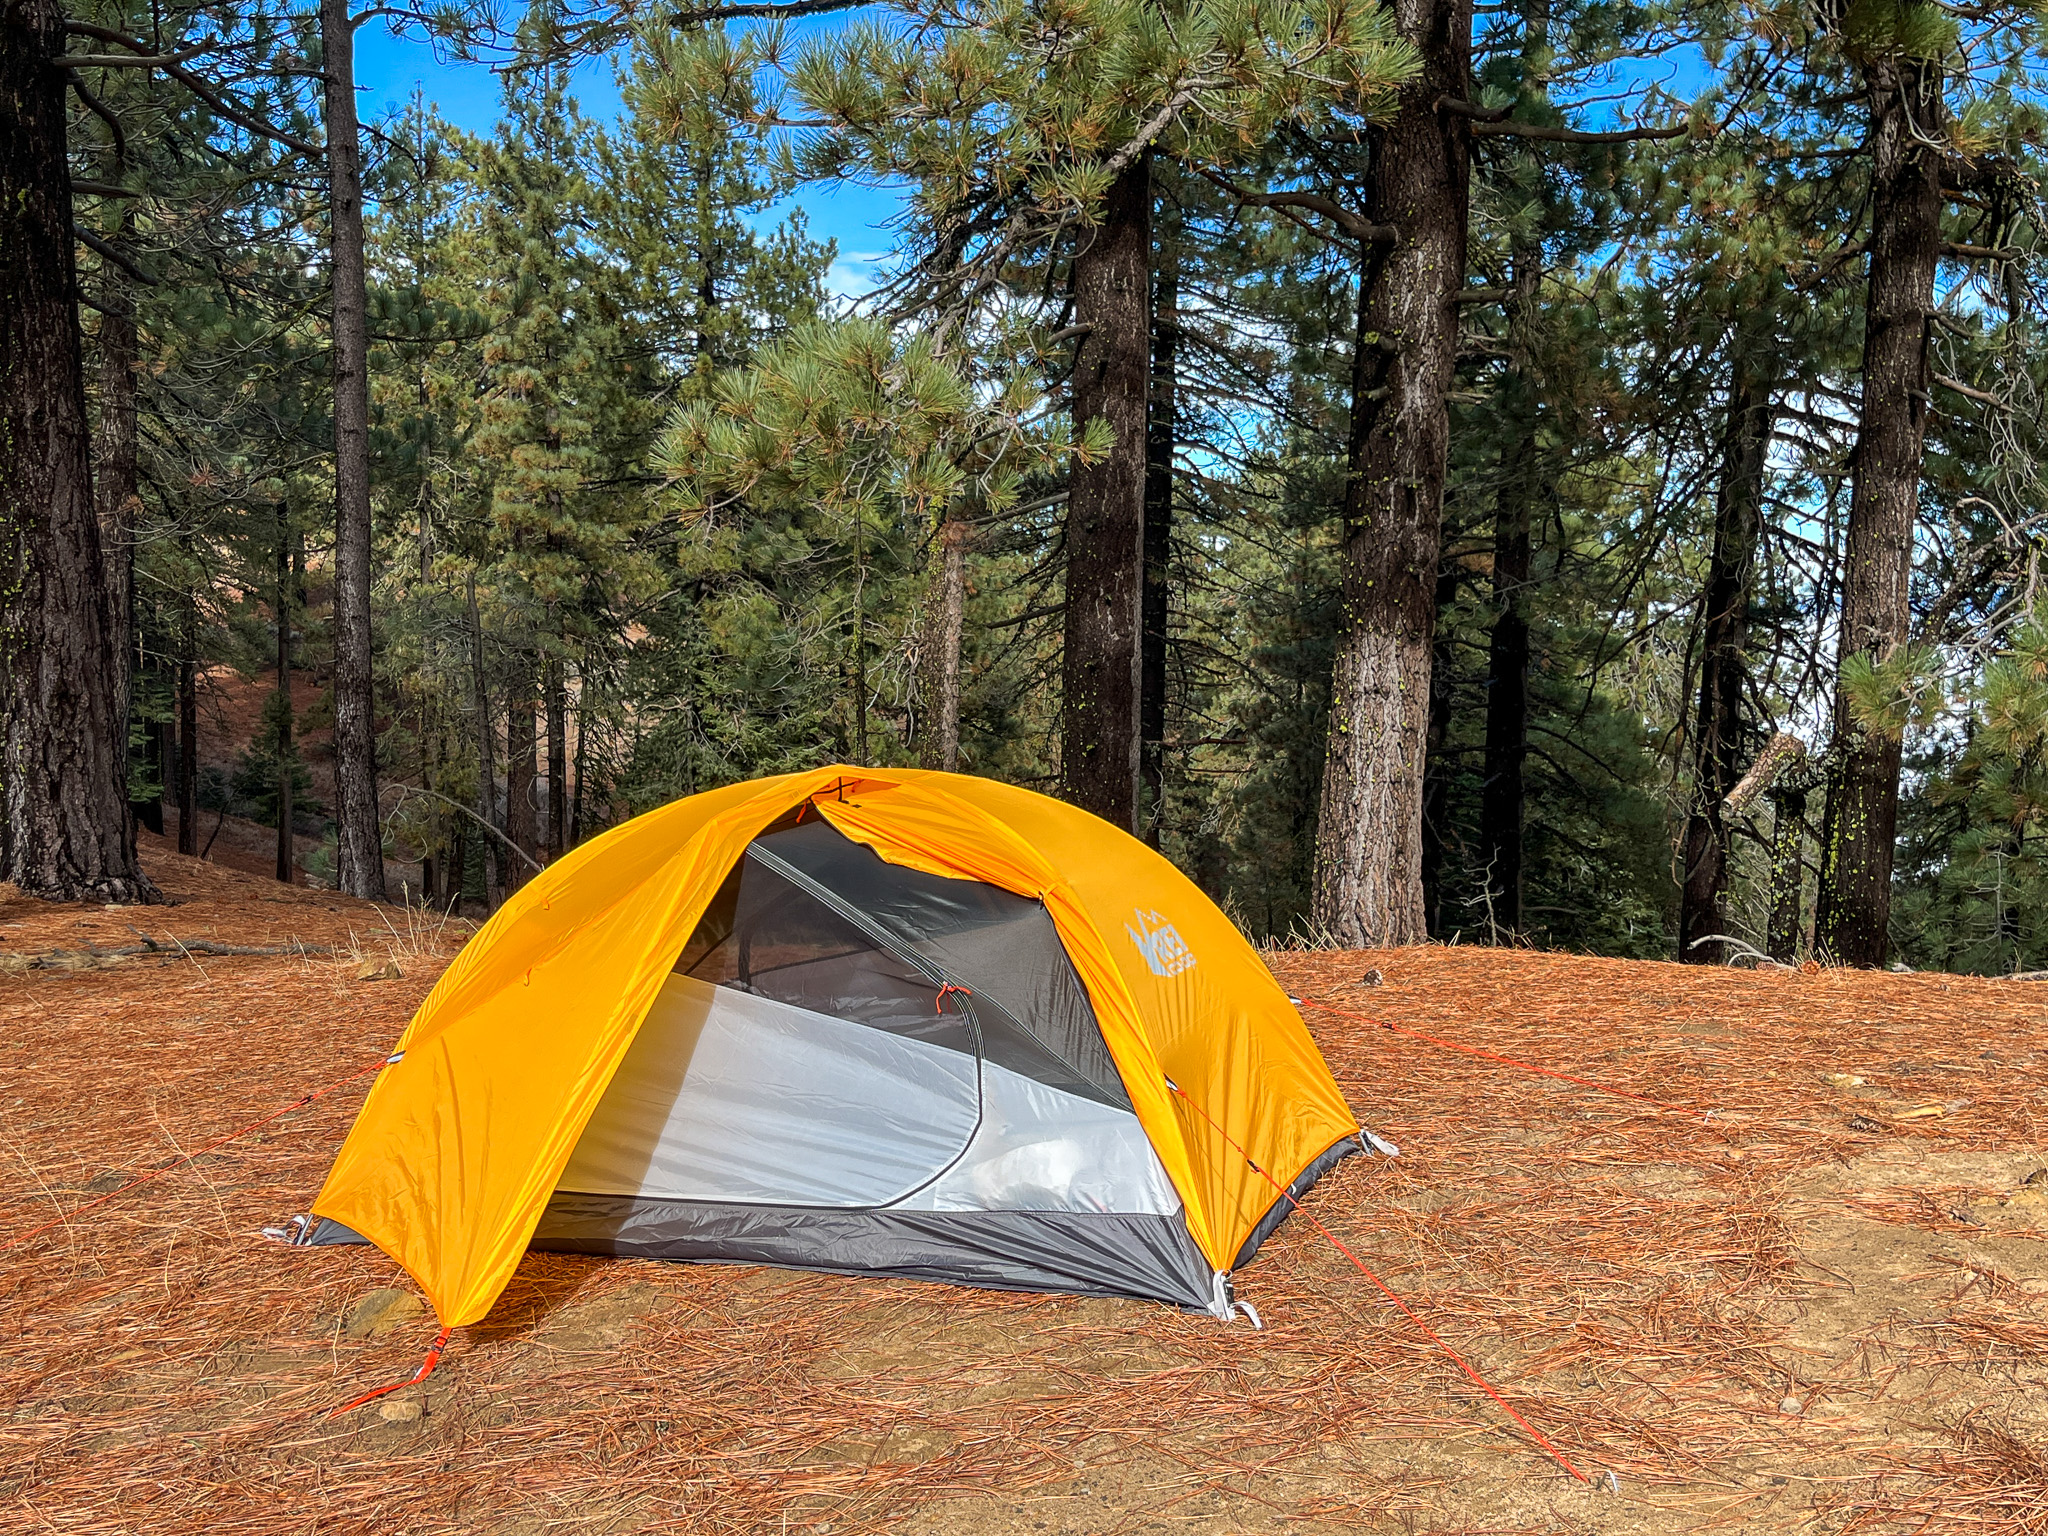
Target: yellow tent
648	1050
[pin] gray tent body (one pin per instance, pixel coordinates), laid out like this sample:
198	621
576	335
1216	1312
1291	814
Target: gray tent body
863	1068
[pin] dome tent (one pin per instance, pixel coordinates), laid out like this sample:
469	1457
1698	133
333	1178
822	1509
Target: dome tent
872	1020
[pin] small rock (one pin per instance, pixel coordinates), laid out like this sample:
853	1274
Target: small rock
380	1312
1371	978
399	1410
1792	1405
1845	1080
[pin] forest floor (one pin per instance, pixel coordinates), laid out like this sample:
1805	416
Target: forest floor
1824	1308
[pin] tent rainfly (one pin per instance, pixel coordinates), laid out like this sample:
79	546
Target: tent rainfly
868	1020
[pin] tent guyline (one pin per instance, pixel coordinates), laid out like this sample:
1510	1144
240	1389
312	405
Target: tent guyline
212	1146
1426	1331
426	1369
1704	1116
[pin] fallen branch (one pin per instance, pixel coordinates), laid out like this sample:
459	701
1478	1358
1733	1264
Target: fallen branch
1747	952
93	954
1781	752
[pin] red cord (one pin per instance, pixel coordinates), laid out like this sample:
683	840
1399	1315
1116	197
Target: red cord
939	1003
426	1369
186	1157
1427	1332
1526	1066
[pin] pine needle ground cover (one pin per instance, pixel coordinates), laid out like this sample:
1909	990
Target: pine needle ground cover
1823	1308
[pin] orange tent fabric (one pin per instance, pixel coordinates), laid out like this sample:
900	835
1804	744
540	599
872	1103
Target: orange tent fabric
462	1140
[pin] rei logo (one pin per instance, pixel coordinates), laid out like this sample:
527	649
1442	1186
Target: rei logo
1165	952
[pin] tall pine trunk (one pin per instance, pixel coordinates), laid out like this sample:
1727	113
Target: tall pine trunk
556	692
285	849
65	833
1503	794
188	726
1160	427
116	475
582	762
1368	880
1788	871
492	856
1861	818
1717	737
360	840
1436	783
520	739
942	744
1503	797
1105	527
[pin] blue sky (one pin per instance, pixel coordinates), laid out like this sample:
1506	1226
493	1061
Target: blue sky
389	67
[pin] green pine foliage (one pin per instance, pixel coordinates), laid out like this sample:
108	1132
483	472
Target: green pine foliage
635	471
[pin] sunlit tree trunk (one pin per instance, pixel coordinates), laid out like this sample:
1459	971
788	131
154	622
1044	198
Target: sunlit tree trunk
1503	794
360	840
1368	882
1160	425
1853	913
942	742
1106	507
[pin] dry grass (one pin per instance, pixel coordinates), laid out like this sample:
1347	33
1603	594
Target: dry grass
1649	1290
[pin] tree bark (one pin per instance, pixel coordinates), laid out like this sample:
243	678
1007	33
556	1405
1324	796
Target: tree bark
582	765
1106	508
360	839
1858	826
1436	783
1160	427
1368	881
486	770
1503	795
520	740
66	832
116	478
1717	737
556	697
188	729
433	871
285	848
943	746
1788	873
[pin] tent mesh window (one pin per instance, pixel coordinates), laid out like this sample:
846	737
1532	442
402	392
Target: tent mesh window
771	931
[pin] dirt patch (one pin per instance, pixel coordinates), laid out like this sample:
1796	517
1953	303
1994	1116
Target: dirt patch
1815	1309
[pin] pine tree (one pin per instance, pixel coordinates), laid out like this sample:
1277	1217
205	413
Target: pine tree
1043	152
